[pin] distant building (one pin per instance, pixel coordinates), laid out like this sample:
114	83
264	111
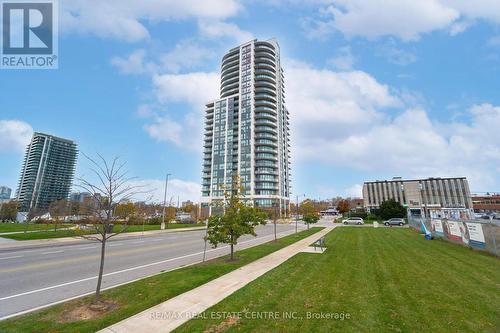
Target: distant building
47	172
330	211
431	197
5	192
356	204
79	196
187	203
486	203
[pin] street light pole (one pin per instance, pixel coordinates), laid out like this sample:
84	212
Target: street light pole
296	212
275	216
164	201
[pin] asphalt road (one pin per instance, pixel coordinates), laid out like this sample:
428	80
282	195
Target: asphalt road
31	278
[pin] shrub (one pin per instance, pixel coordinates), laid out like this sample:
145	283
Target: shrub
391	208
363	215
154	220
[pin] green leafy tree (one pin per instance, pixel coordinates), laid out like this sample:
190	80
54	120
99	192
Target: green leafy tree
309	214
237	219
8	211
391	208
306	207
310	218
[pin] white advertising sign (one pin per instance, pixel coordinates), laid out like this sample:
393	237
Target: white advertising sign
476	235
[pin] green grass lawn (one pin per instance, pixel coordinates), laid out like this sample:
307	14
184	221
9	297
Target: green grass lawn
136	228
137	296
50	233
13	227
387	280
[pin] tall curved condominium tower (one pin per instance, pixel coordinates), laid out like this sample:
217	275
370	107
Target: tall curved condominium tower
47	174
247	129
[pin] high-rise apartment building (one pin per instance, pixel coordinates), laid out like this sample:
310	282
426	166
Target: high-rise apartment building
247	128
5	193
47	173
79	196
431	197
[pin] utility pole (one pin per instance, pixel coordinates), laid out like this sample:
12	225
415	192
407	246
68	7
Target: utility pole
164	201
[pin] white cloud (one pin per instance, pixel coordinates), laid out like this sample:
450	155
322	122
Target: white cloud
133	64
165	129
354	191
186	54
460	26
323	102
15	135
177	188
405	19
339	119
216	29
124	19
344	59
194	90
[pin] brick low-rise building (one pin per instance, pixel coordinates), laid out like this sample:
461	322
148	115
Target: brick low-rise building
486	203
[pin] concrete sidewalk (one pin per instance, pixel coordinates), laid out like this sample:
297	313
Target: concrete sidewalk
169	315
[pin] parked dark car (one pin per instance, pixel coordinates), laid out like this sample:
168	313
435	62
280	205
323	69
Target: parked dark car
394	221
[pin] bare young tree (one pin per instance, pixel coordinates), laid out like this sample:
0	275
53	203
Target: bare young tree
111	185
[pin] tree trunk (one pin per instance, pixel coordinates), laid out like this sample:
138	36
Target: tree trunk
232	248
101	269
275	236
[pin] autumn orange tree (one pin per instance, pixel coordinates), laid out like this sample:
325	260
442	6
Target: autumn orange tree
343	206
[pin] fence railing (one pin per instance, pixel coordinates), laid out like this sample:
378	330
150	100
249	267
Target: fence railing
478	234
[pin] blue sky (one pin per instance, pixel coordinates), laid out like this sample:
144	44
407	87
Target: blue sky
403	88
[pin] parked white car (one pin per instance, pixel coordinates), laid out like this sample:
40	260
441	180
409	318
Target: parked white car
354	220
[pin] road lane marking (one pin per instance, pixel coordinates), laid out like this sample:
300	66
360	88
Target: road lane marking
51	252
86	247
130	269
11	257
110	245
284	233
96	256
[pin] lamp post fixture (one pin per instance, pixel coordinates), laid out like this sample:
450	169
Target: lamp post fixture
164	201
297	211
